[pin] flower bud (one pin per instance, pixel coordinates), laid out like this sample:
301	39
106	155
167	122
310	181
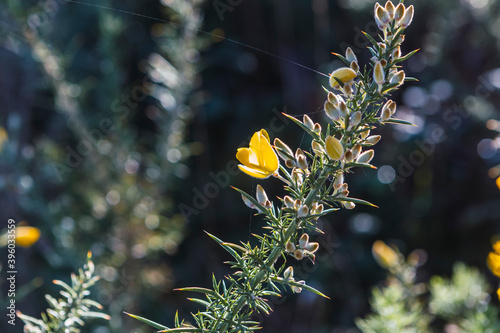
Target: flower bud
378	74
350	56
385	115
354	66
298	176
319	209
356	150
373	139
268	204
349	157
396	54
318	150
303	211
349	205
382	47
288	201
343	109
348	89
317	128
304	239
389	7
398	78
332	112
392	107
288	273
332	98
344	75
283	150
261	195
290	164
399	12
363	135
296	289
382	14
297	204
366	157
312	247
334	148
298	153
355	118
308	122
407	17
290	247
247	202
299	254
339	180
302	162
387	110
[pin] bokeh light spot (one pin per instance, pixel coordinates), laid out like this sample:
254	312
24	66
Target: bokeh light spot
487	148
386	174
113	197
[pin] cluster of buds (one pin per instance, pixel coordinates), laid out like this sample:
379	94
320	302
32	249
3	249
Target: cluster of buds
316	209
296	205
288	276
285	153
340	191
303	249
398	15
315	127
335	107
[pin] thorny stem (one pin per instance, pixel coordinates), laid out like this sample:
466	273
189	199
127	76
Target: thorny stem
276	252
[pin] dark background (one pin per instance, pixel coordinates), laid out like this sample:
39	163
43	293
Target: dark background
67	67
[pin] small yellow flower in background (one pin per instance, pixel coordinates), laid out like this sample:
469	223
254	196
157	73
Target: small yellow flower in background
27	236
498	293
344	74
259	160
384	255
498	182
493	260
3	137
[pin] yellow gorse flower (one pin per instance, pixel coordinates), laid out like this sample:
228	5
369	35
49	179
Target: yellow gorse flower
260	159
493	260
27	236
384	255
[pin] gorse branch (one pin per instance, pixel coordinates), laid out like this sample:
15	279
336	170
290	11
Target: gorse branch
313	180
68	314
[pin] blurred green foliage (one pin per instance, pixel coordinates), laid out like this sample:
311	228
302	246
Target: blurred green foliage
458	304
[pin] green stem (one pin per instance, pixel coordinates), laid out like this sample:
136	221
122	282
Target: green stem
274	255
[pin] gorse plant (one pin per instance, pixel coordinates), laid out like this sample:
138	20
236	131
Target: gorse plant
69	313
313	180
458	304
